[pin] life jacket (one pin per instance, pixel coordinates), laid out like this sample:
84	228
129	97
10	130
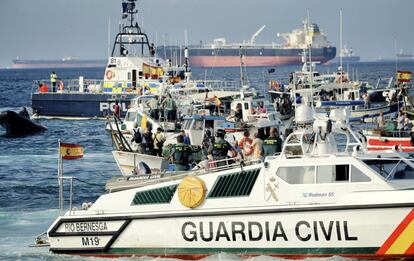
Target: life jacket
181	153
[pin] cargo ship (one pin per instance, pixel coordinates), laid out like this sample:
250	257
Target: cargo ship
223	54
67	62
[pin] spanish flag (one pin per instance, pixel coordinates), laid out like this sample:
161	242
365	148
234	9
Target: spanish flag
71	151
404	76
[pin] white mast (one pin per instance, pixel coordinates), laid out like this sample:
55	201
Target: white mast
109	35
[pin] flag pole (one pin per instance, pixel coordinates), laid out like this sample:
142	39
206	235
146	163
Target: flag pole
60	179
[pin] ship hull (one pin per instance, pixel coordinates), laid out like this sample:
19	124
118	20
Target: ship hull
51	64
333	231
78	104
252	56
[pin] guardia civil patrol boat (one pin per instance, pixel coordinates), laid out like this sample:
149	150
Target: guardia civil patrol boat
132	69
323	195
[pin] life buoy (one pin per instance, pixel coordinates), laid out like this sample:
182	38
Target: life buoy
109	74
247	150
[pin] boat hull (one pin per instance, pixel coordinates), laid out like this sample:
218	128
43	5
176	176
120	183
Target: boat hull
252	55
353	231
81	105
364	114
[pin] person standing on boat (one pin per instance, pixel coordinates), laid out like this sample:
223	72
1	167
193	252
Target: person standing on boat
381	121
154	111
159	139
239	113
53	80
117	110
180	155
208	140
185	137
400	121
148	142
273	144
220	148
257	146
170	108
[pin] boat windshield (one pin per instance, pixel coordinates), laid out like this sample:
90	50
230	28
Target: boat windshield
391	169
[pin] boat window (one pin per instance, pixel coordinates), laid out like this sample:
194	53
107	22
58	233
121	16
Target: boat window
358	176
139	119
391	168
198	125
297	174
187	124
246	106
332	174
130	116
129	76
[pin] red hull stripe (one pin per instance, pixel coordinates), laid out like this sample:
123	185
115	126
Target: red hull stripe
397	232
234	61
70	145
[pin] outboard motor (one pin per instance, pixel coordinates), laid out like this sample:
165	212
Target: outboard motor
143	169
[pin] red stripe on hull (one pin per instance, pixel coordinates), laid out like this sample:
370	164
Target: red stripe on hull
292	256
234	61
390	143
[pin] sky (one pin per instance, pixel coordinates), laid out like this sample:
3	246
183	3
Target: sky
54	29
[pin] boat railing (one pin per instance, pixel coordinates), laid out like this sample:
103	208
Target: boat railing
83	86
207	167
219	85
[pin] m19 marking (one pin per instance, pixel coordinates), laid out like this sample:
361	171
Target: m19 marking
90	241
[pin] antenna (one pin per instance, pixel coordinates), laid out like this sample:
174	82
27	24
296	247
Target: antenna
340	46
395	56
109	35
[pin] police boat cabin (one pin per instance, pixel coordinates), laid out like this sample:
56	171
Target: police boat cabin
323	195
132	69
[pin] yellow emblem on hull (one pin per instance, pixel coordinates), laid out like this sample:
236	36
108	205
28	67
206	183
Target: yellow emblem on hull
191	192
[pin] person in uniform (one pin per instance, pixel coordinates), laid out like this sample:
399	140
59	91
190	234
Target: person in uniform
53	79
220	148
181	154
273	144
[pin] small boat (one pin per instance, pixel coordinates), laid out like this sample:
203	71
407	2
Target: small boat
19	125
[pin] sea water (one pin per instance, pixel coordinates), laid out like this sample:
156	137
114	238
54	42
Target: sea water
28	165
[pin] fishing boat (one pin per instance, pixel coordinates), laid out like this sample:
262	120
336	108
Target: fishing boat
17	124
317	198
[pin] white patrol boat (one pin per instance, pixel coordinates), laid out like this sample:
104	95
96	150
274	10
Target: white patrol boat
319	197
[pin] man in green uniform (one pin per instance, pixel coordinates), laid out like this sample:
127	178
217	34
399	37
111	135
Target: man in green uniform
53	79
180	154
273	144
220	148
